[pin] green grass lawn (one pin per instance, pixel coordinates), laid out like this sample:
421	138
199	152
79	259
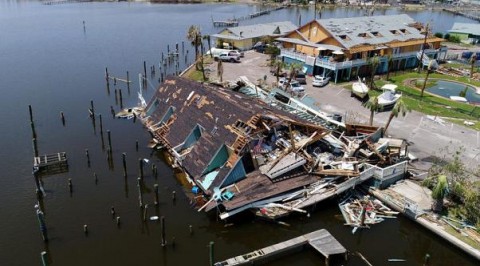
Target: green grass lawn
431	104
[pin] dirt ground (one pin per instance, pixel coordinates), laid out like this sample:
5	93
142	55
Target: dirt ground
426	136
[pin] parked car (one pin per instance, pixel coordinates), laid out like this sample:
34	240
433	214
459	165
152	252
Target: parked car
301	77
319	81
294	85
229	57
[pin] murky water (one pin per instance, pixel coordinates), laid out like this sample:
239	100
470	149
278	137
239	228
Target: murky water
48	60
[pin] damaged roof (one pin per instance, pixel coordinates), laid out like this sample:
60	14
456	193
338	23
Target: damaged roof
258	30
214	109
371	30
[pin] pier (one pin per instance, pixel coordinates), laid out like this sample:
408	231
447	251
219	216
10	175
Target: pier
234	22
462	13
51	163
321	240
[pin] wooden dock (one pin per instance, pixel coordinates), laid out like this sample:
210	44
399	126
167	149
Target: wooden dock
50	163
321	240
225	23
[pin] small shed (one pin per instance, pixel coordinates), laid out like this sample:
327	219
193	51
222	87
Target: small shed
467	32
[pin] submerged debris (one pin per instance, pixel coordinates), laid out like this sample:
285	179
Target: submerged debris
360	212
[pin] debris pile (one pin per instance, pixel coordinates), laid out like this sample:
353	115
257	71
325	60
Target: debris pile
360	212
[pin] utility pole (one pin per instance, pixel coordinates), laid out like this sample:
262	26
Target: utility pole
420	63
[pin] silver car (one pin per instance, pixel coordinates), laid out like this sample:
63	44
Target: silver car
319	81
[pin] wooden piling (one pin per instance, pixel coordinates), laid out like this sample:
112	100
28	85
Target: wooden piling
109	156
162	222
136	145
109	140
112	211
43	226
35	147
174	197
106	75
30	111
101	123
140	167
145	210
168	49
112	111
63	118
426	260
144	69
173	242
95	177
183	47
176	47
211	253
70	185
124	162
34	133
92	109
155	189
85	229
44	257
190	228
88	157
118	221
140	195
134	118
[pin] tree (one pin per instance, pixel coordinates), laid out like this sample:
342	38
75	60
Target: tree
373	106
389	65
201	66
209	41
194	36
399	108
429	70
420	61
294	69
438	34
472	61
373	62
220	70
439	192
278	66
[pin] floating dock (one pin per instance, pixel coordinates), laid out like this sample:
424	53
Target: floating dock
51	163
321	240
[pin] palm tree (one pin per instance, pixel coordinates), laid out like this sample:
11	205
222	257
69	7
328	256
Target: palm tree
220	70
294	69
399	108
193	35
473	58
202	68
429	70
389	65
278	65
373	106
439	192
209	41
373	62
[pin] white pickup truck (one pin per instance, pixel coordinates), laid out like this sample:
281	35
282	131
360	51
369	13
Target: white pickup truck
228	57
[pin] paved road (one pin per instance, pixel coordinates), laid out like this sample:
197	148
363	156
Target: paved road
427	137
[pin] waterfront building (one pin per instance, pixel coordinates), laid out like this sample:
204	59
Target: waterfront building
466	32
342	47
245	37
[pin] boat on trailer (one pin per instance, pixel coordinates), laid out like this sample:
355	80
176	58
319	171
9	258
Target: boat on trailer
389	96
359	89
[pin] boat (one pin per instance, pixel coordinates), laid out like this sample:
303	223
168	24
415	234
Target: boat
459	99
426	60
389	96
359	89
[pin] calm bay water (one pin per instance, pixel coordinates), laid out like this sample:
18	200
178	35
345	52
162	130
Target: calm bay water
48	60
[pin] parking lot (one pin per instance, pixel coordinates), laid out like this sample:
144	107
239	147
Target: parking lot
426	134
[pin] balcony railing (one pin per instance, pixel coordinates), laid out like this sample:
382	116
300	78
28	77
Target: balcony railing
293	55
326	63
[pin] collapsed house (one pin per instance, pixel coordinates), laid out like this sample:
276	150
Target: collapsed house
241	153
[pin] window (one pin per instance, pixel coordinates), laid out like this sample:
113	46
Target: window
404	31
395	32
376	34
344	37
362	35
